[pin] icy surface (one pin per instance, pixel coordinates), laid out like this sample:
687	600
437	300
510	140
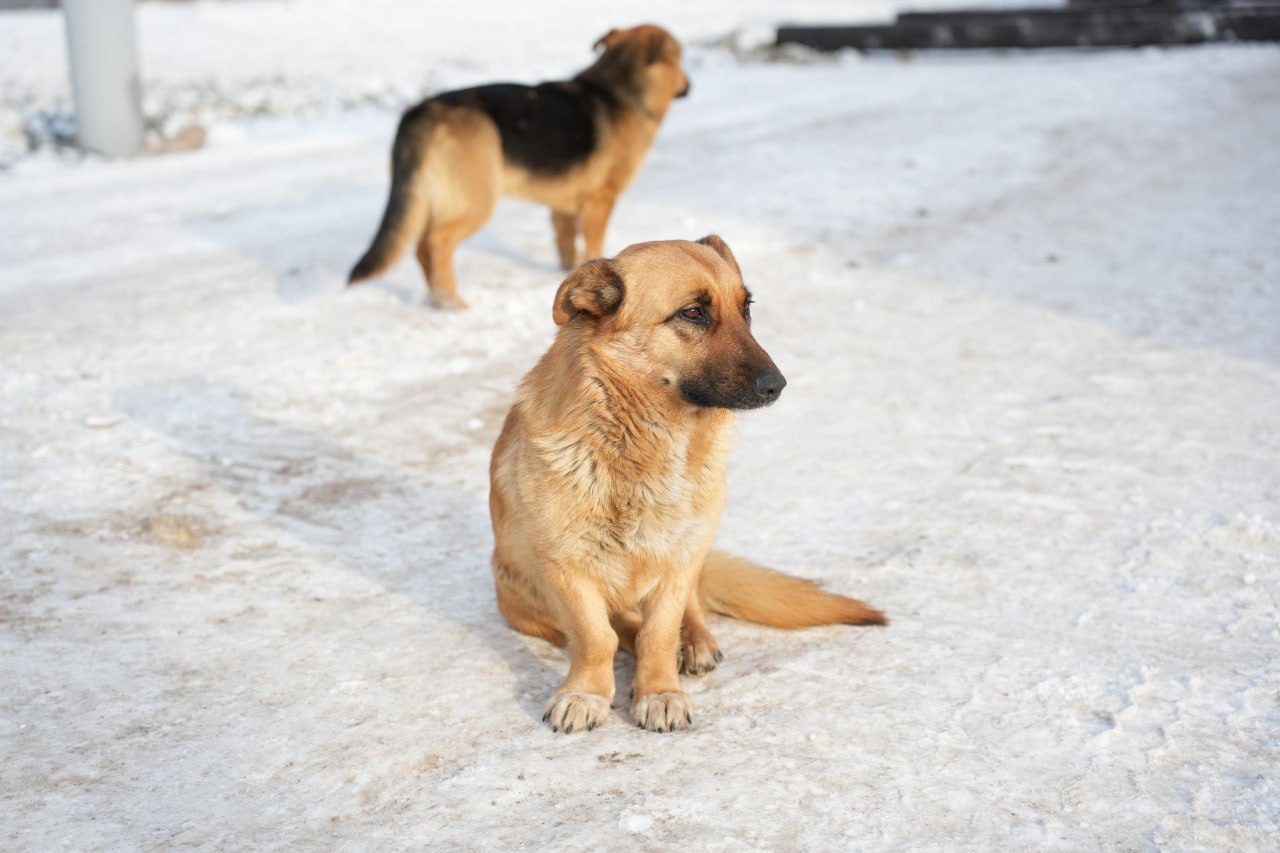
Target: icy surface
1029	310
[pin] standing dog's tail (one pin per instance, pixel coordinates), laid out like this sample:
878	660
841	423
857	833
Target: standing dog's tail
739	588
405	218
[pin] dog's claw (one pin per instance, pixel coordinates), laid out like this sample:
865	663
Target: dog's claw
662	712
575	711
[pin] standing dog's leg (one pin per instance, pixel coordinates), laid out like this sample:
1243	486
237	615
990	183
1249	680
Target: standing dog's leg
659	704
566	226
435	253
462	200
583	701
423	253
595	218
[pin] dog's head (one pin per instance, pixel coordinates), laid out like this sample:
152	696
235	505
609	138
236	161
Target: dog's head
675	316
645	58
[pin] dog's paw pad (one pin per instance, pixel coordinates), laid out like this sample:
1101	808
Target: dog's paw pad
662	712
575	712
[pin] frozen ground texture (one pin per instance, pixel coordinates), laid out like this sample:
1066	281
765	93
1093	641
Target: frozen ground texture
1029	310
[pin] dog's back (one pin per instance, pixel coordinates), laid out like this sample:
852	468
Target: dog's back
546	129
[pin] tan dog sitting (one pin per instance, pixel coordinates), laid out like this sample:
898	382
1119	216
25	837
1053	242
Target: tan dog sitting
608	481
573	146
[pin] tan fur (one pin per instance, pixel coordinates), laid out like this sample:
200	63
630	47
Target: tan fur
607	485
453	176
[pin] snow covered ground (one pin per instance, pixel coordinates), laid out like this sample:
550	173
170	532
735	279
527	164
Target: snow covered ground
1029	310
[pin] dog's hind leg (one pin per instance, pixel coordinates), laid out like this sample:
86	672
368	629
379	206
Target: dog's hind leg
435	253
595	218
566	226
423	253
464	181
699	651
524	615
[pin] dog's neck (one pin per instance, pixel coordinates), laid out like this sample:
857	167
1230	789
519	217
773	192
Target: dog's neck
623	90
606	401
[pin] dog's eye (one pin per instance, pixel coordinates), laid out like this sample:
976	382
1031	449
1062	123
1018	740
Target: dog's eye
746	310
696	314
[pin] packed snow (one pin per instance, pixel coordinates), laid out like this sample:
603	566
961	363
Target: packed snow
1028	306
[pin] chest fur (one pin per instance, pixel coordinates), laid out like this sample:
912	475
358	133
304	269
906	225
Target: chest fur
650	498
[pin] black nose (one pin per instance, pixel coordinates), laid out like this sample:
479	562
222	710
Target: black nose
770	384
684	93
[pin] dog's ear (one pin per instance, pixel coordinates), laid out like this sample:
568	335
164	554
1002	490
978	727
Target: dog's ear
646	43
656	44
595	288
721	248
606	41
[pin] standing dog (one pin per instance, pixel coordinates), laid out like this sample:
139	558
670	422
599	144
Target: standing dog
573	146
608	480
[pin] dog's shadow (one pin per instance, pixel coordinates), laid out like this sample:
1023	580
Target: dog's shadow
420	539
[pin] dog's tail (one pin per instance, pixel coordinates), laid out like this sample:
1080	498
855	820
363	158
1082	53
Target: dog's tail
739	588
405	218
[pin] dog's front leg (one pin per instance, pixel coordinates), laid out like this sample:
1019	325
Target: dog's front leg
583	701
658	703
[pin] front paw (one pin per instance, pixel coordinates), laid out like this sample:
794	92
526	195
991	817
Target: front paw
575	712
662	712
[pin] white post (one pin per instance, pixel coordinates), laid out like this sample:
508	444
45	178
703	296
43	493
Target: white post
104	75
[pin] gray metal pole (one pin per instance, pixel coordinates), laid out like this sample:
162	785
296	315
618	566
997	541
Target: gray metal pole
104	75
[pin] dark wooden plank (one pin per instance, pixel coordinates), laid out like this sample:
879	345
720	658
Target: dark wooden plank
1254	24
871	37
1168	4
1113	27
1132	26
